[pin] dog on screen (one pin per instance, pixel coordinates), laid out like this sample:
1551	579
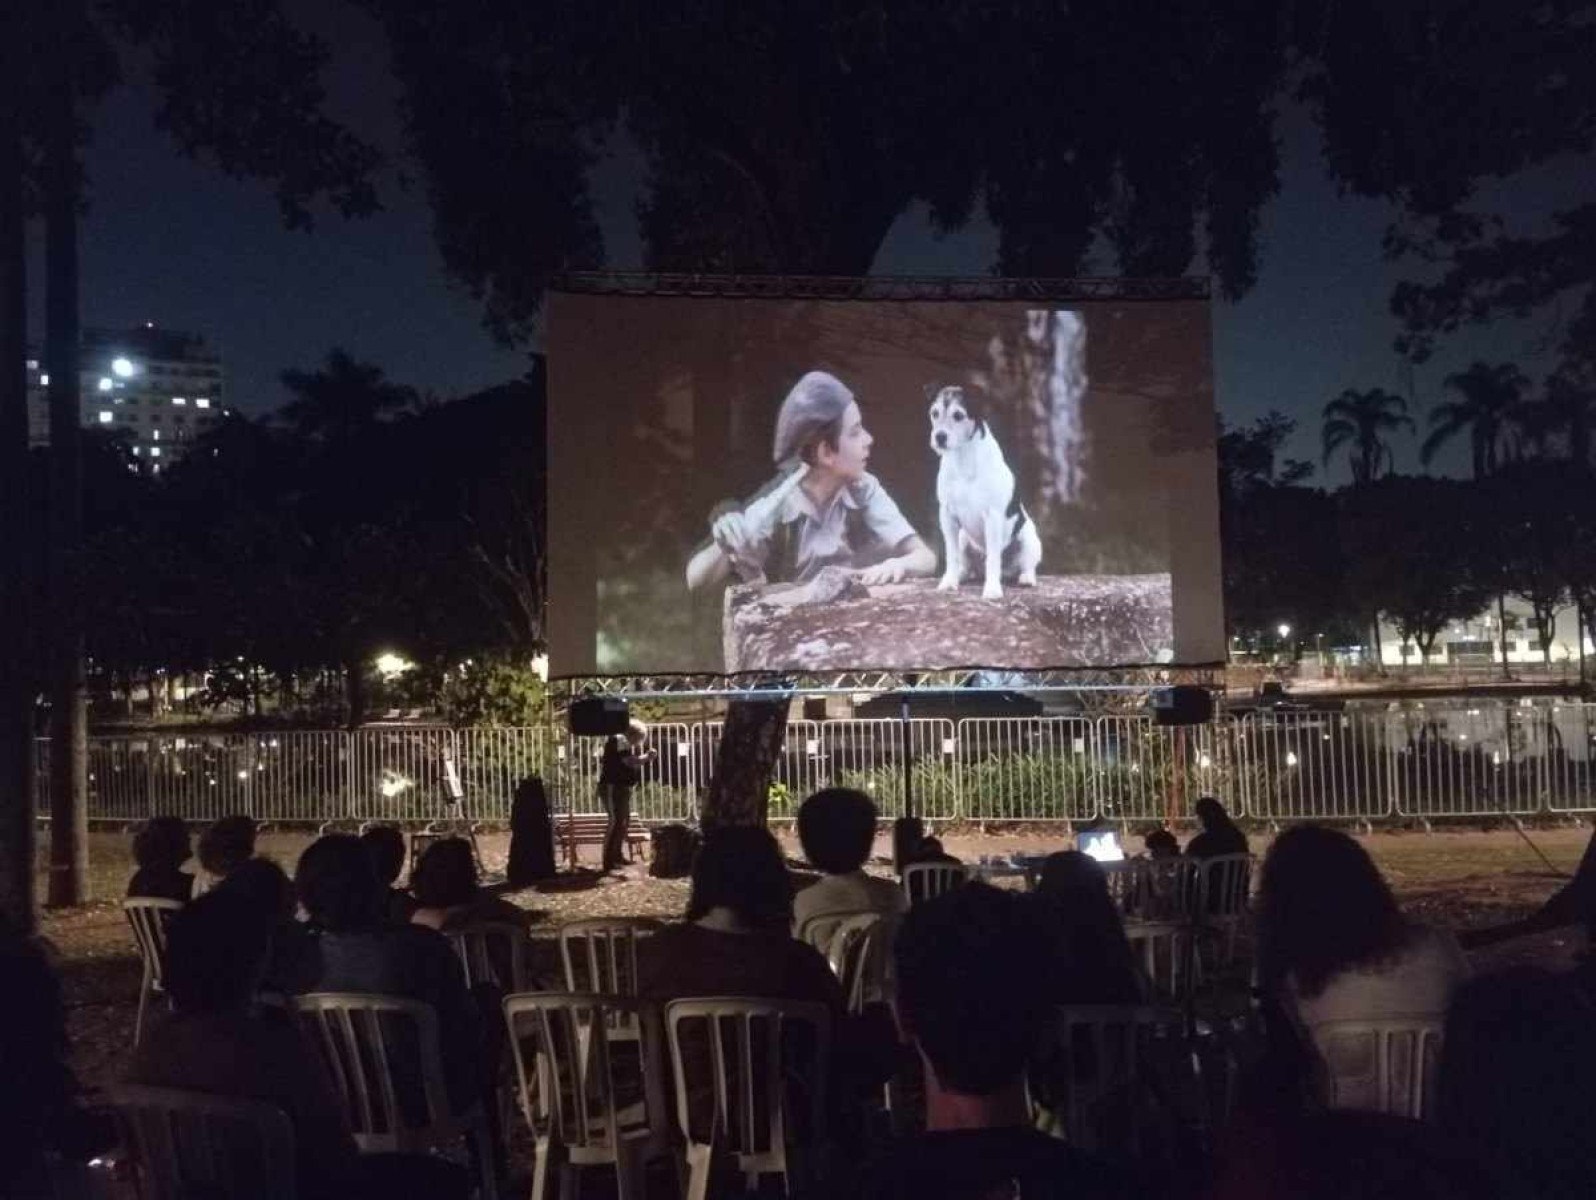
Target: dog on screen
977	506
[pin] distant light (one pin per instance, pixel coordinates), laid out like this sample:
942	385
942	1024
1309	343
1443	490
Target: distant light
106	417
1291	758
149	324
155	452
123	368
1204	762
179	400
105	383
390	664
202	402
540	666
157	435
392	785
138	450
33	364
243	774
1284	630
44	381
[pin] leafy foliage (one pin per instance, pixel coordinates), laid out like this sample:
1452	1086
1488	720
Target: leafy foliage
1360	422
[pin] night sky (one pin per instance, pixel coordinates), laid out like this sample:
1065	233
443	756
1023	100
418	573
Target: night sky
171	241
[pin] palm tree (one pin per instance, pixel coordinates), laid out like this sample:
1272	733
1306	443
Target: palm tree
1565	413
1360	421
1490	397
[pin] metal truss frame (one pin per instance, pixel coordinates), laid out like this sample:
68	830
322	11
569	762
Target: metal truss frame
879	287
762	686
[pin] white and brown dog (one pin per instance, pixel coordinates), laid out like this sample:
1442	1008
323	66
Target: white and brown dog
976	502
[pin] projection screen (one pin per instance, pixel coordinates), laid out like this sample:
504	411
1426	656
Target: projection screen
741	484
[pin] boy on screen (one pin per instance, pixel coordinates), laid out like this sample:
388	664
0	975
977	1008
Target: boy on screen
825	510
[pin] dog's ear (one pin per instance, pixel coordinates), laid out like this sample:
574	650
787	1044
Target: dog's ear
932	391
975	406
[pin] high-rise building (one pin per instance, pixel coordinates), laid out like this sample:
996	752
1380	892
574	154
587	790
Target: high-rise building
163	387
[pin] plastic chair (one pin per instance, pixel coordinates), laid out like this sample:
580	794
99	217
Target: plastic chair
569	1092
189	1144
1388	1066
1115	1072
925	881
858	946
359	1037
1223	886
600	956
487	948
740	1054
149	918
1166	953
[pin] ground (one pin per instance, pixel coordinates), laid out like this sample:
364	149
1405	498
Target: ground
1462	879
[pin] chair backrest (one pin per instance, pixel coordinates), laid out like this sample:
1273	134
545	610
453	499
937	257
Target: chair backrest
149	918
741	1053
600	953
1166	954
383	1054
1387	1065
491	950
924	881
1114	1072
190	1144
858	946
568	1091
1226	880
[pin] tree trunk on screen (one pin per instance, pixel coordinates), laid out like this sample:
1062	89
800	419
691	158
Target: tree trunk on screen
1501	625
16	691
69	841
750	744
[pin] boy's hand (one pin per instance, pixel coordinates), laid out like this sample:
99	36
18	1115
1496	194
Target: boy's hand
894	570
738	543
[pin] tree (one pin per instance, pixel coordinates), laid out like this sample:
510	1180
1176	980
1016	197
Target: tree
1490	396
1249	456
1565	415
776	142
1414	554
1360	421
1420	103
240	86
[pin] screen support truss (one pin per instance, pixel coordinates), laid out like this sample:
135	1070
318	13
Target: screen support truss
879	287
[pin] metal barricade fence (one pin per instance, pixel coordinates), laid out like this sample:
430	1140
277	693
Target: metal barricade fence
1036	769
1303	766
1569	743
1363	763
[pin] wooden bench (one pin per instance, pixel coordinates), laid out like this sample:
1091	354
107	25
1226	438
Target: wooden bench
588	829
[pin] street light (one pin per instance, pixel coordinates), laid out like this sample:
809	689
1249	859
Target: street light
1283	630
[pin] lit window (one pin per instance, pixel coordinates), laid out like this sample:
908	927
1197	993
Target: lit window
155	452
44	381
138	450
156	469
157	435
33	364
202	402
105	417
105	383
122	368
179	400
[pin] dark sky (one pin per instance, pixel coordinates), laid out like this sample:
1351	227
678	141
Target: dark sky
170	241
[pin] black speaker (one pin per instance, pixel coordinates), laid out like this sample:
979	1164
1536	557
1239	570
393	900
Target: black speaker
1183	704
814	708
598	716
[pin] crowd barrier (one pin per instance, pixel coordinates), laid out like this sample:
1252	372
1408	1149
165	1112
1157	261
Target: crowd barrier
1367	763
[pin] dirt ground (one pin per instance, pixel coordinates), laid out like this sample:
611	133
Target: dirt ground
1458	879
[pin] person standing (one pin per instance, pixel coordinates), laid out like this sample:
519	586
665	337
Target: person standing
620	769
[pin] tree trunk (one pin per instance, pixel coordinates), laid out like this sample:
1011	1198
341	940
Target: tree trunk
16	524
69	842
1501	625
355	690
751	742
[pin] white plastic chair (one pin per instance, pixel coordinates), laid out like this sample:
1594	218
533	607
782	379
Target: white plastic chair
1166	954
569	1092
858	947
735	1048
1386	1066
190	1144
484	946
1109	1069
925	881
149	918
358	1036
1224	883
600	956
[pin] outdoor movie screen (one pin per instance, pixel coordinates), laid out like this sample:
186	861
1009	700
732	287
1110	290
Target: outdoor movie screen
795	485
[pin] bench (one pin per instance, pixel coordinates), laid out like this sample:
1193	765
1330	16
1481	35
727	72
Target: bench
588	829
